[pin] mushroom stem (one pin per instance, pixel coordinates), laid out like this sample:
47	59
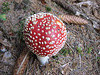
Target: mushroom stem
43	60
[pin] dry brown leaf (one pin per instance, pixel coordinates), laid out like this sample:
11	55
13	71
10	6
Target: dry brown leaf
73	19
21	63
43	2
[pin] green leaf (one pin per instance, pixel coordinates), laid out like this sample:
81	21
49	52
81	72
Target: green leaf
5	4
48	9
79	49
70	52
98	58
89	50
5	7
3	16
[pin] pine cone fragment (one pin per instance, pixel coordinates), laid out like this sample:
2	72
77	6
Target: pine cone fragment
73	19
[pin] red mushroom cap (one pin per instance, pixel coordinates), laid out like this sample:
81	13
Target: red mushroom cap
44	34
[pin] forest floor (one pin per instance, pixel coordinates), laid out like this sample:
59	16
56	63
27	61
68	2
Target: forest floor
79	56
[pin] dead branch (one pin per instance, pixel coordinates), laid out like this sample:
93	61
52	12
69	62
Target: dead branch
66	6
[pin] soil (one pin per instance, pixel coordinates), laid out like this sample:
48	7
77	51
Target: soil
79	56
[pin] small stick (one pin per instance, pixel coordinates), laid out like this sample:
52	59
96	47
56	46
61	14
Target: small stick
21	63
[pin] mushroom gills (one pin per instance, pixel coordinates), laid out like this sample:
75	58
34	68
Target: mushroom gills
43	60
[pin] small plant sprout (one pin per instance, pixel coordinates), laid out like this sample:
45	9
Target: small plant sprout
5	7
48	9
90	50
98	58
3	16
79	50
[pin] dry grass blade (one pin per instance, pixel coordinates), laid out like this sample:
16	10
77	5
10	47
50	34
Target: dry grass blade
21	63
73	19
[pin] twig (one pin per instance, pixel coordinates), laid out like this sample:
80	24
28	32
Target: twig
70	46
80	60
21	63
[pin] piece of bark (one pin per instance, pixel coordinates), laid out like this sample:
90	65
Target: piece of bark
21	63
73	19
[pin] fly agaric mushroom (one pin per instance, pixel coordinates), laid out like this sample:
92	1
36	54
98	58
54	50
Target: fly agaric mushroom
44	35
